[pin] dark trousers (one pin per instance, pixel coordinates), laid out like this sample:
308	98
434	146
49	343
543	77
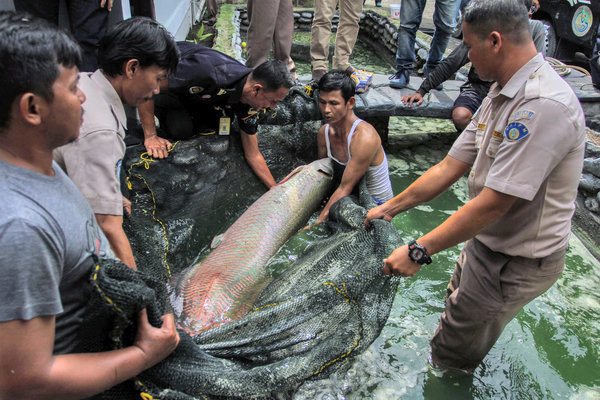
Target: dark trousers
594	62
88	23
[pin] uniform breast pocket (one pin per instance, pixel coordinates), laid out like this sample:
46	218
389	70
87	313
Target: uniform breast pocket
478	138
494	143
492	148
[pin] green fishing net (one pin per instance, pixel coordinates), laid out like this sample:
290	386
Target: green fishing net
324	309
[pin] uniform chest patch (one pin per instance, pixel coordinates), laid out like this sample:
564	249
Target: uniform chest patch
196	89
582	21
515	131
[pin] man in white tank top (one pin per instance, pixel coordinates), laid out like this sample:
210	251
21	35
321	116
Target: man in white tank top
353	144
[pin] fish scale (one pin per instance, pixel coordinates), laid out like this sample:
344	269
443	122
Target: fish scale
224	286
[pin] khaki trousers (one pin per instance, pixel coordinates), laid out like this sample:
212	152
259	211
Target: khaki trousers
271	26
486	291
345	38
211	8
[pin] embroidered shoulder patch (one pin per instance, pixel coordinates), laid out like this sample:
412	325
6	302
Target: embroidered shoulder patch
521	115
515	131
196	89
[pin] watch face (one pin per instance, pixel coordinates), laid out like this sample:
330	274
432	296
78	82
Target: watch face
417	254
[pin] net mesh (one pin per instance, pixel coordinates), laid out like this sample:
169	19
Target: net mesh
327	307
312	319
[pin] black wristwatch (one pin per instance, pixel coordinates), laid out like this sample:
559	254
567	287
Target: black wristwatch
418	253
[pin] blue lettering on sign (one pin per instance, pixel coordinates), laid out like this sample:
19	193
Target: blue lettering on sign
515	131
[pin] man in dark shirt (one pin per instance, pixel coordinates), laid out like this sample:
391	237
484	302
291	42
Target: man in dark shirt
206	92
474	90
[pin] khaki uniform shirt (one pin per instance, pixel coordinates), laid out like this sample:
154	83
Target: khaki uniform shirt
93	161
527	140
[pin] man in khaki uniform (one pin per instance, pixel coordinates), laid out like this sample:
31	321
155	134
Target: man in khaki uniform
525	149
93	161
271	26
345	37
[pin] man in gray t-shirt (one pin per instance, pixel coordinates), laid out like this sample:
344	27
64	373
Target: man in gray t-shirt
38	229
48	233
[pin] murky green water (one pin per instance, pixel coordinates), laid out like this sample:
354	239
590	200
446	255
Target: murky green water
363	57
550	351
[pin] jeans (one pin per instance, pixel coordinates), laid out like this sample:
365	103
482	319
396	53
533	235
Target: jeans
411	14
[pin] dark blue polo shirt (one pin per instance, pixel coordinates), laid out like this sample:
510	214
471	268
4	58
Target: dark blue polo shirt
208	78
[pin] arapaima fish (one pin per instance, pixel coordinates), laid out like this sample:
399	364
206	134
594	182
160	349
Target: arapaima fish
225	285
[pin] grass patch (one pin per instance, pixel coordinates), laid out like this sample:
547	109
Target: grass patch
224	29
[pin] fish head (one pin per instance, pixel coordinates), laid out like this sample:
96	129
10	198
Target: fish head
323	166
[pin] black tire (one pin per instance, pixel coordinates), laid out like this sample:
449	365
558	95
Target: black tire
550	38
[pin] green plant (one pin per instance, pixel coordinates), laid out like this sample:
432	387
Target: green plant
200	35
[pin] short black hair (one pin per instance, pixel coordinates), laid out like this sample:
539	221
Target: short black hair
338	80
508	17
273	75
137	38
31	51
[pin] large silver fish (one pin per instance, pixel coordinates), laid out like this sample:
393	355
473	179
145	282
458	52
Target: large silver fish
225	285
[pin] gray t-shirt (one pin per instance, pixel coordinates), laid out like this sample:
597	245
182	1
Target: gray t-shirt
48	233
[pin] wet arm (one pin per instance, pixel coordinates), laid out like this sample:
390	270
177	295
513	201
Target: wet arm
256	160
29	370
427	187
321	144
112	226
156	146
464	224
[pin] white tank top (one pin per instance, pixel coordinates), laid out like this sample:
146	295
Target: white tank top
378	177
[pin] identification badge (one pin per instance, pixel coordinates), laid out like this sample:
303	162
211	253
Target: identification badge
224	125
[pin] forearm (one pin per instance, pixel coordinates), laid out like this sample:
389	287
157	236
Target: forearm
76	376
112	226
255	159
146	113
427	187
468	221
261	170
338	194
445	69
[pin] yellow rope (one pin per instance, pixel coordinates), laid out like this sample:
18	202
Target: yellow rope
349	299
101	292
146	161
564	69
